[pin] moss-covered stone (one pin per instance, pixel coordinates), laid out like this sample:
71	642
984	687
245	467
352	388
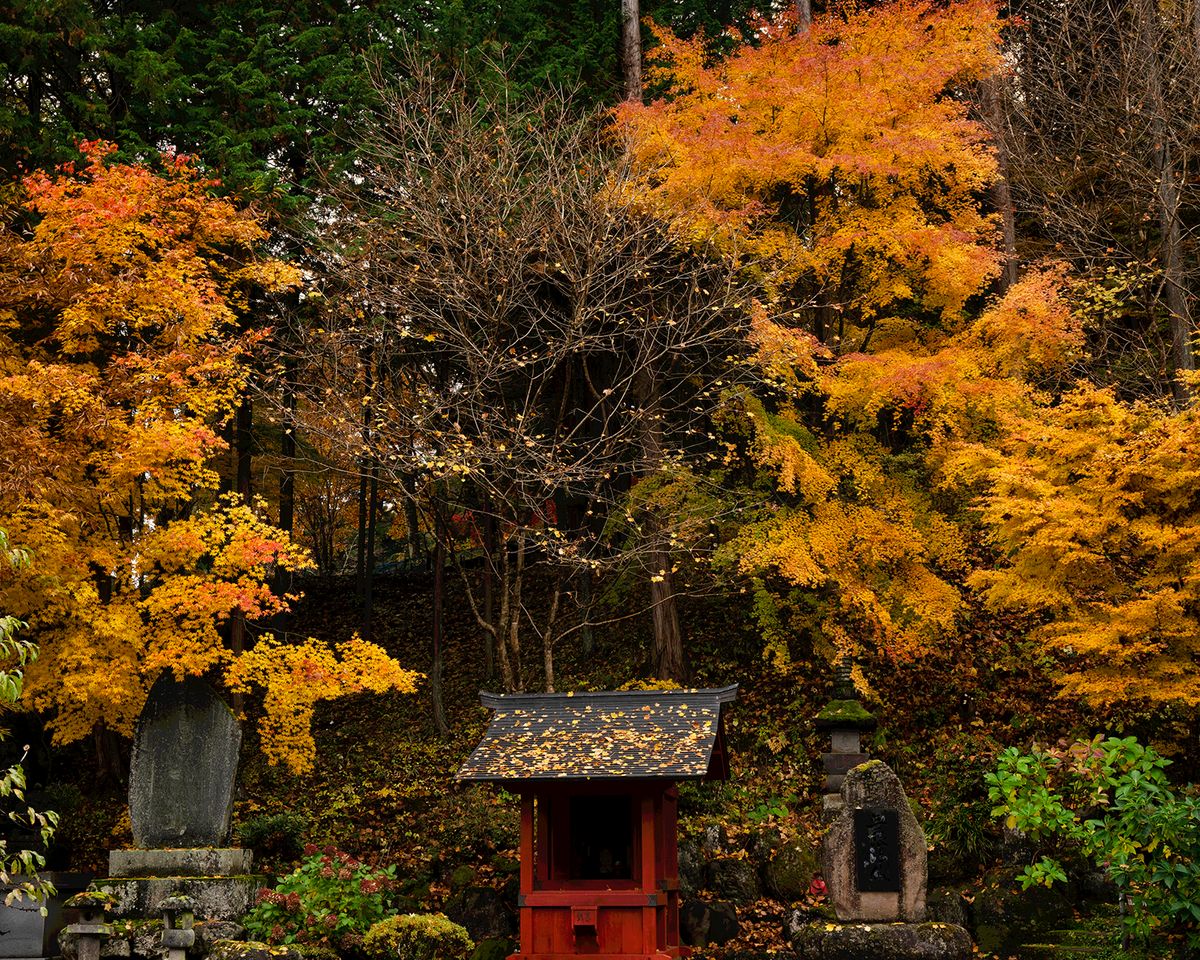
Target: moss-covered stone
881	941
251	950
791	870
845	713
460	877
494	948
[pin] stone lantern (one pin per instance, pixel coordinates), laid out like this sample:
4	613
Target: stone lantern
847	720
92	927
179	913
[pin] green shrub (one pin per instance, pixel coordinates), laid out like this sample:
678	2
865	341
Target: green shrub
277	835
417	936
330	899
1110	801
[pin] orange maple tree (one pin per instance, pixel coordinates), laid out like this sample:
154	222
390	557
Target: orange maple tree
120	360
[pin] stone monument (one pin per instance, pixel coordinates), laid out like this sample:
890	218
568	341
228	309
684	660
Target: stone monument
873	855
181	781
874	851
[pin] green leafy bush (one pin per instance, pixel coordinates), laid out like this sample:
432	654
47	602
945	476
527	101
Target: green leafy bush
331	898
1110	801
278	835
417	936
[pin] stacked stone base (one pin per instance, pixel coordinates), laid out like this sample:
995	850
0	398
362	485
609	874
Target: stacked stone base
218	879
824	940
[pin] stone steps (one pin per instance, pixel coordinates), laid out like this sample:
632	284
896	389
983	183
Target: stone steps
1093	937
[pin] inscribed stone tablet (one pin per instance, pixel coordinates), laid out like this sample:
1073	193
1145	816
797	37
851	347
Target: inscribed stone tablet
184	764
877	850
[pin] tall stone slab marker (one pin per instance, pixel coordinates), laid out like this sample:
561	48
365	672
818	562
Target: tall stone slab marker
184	766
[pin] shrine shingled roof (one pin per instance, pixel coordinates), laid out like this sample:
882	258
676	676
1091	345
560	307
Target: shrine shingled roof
643	734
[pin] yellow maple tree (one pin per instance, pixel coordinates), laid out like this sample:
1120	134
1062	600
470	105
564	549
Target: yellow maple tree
121	289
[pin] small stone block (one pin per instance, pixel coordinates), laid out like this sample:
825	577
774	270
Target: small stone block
180	862
842	763
846	741
178	939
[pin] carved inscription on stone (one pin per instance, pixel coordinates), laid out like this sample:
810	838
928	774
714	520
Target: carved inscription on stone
877	850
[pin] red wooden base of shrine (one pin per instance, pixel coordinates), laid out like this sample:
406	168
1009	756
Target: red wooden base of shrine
634	916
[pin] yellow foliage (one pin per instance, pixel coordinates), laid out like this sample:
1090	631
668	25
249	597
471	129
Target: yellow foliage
119	364
296	677
1092	504
853	123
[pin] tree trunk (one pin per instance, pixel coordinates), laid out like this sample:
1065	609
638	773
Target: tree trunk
1168	193
803	15
668	637
438	632
631	49
489	595
548	636
242	443
993	110
287	482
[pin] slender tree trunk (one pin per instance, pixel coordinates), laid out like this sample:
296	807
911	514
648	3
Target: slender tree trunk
668	637
548	635
587	636
287	481
1169	190
366	501
803	15
489	594
993	110
631	49
108	754
1168	194
438	634
501	624
242	443
514	617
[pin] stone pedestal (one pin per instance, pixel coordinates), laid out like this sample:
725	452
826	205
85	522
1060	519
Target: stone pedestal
180	862
881	941
217	879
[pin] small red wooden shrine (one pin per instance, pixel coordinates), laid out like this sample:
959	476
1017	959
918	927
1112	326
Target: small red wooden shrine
596	773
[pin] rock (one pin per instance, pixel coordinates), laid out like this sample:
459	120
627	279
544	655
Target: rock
703	924
252	950
714	840
763	846
799	917
209	932
183	767
460	877
216	898
691	868
1003	915
483	911
946	906
494	948
733	879
146	943
881	941
872	795
791	870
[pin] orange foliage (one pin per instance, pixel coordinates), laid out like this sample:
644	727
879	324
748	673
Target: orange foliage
837	156
120	361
